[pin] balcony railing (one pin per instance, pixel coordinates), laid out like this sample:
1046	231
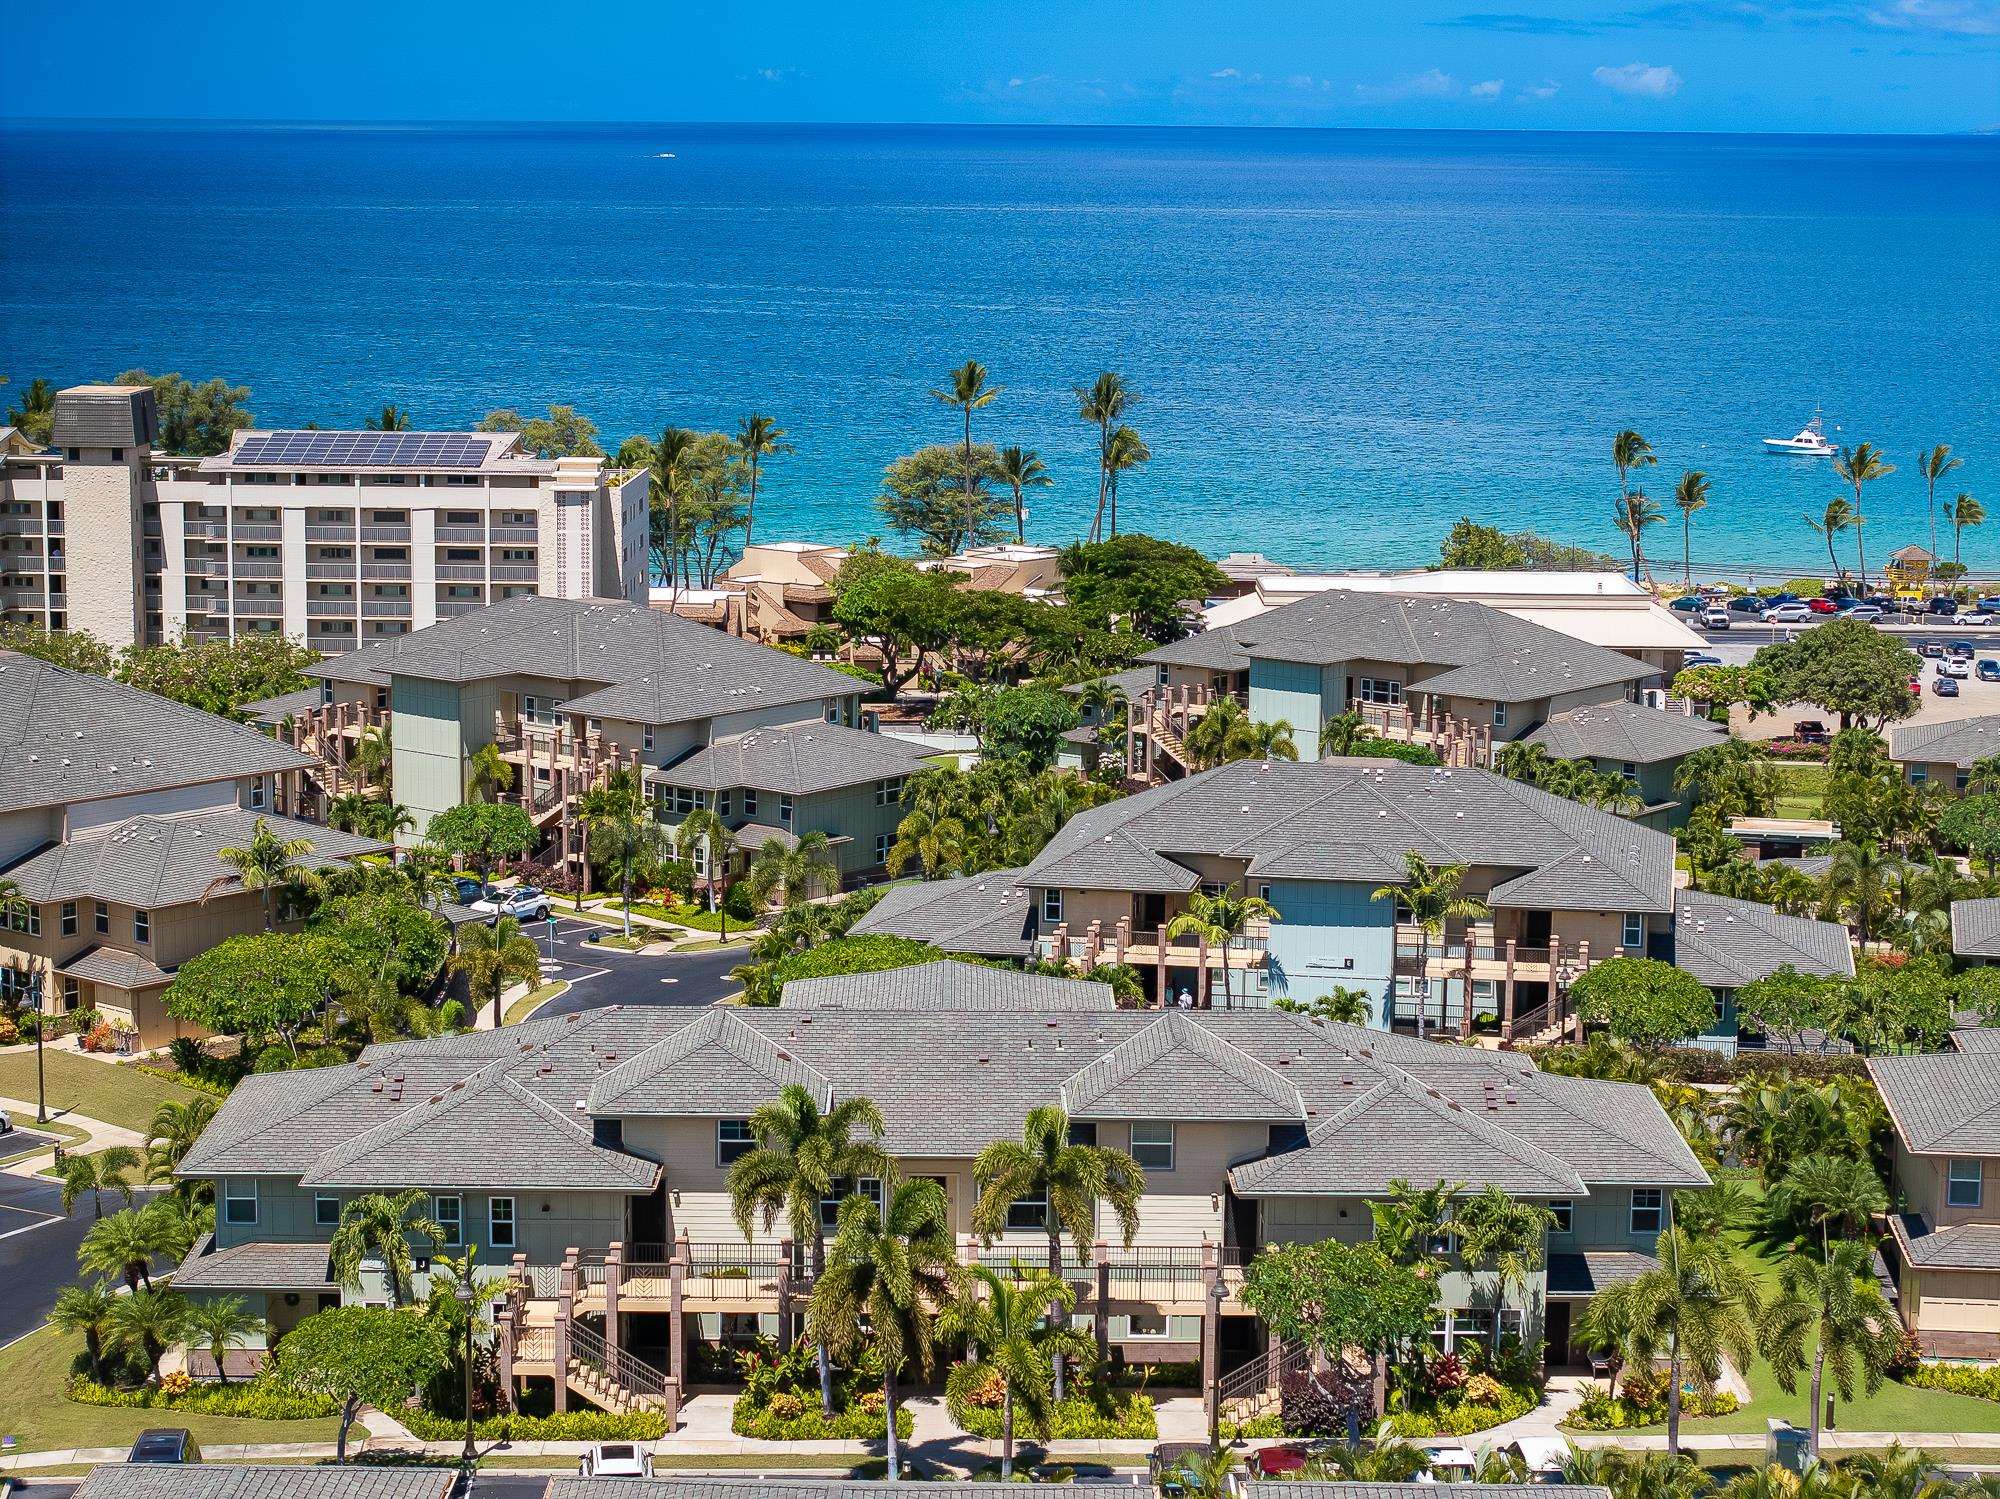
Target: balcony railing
257	567
385	572
515	572
513	535
256	530
385	608
461	572
452	608
337	571
334	608
385	533
462	533
335	533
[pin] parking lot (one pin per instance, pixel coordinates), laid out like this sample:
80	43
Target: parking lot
600	976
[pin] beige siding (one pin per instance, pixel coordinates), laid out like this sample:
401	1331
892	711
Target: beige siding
1952	1300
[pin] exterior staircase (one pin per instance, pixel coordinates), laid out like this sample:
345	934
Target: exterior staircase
612	1379
1167	740
1256	1388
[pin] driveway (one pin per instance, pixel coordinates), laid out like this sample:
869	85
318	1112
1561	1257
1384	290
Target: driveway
600	976
38	1248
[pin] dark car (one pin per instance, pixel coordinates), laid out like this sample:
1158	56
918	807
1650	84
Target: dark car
1945	687
1941	605
1811	731
466	890
1700	658
1689	603
1987	669
1959	648
165	1444
1749	603
1782	596
1990	604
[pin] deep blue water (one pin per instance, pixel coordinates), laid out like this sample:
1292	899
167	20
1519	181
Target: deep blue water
1342	339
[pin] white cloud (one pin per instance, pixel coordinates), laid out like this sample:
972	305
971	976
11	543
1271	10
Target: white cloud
1433	84
1642	79
1490	89
1225	73
1955	17
1545	90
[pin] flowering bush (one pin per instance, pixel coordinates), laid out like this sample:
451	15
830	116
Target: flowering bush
1484	1389
1447	1373
176	1383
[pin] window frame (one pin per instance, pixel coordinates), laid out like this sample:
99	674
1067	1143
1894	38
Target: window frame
101	918
730	1147
69	918
1657	1209
1953	1180
496	1220
1052	904
1021	1221
321	1202
452	1224
1169	1144
869	1187
1563	1211
1632	936
1499	715
142	926
232	1195
786	807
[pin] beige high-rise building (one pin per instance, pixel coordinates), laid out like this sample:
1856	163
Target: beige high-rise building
333	538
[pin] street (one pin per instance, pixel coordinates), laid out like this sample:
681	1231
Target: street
600	976
37	1249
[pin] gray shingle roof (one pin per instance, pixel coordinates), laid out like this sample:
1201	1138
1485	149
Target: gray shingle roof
244	1481
796	758
255	1267
694	1486
105	416
67	736
649	666
947	985
1594	1270
1486	653
1174	1065
275	710
1625	731
1975	928
1976	1038
1959	1246
703	1070
1946	1103
1309	1489
116	967
151	862
1728	943
990	915
1959	741
1613	1134
1352	819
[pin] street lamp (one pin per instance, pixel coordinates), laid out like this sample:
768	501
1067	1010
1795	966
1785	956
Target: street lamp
470	1456
1218	1294
41	1022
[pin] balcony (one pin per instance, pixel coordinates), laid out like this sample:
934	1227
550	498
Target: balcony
339	572
461	572
385	533
514	535
332	533
515	572
210	528
1119	943
256	530
330	608
253	608
20	525
256	567
452	608
475	534
385	608
385	572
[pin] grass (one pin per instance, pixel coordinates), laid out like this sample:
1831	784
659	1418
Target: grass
1803	788
533	1000
34	1410
116	1094
709	944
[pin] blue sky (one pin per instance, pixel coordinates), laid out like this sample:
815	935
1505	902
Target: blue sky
1733	65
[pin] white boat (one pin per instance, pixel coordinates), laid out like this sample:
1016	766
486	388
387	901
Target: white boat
1809	443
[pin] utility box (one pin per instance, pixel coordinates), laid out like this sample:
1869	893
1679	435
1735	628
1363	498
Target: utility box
1785	1445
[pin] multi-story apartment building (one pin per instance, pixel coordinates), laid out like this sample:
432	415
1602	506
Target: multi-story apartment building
113	803
333	538
1643	745
594	1150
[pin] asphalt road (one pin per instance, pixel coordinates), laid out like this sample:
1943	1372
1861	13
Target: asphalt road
1756	632
600	976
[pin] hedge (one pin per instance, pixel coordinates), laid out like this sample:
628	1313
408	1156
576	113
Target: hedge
251	1399
1464	1417
571	1426
856	1423
1960	1379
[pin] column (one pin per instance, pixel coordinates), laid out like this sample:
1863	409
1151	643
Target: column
565	1313
677	1269
1465	990
785	1248
614	1273
1160	995
1201	973
1582	967
1507	997
1102	1254
1211	1315
292	586
423	565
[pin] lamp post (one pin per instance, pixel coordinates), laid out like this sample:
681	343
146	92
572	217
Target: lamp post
470	1456
41	1020
1219	1294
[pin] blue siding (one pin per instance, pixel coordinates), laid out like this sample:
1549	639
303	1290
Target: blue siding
1288	690
1324	925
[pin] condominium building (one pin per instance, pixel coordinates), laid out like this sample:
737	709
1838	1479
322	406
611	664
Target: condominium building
333	538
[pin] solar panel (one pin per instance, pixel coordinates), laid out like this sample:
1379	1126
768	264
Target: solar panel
363	450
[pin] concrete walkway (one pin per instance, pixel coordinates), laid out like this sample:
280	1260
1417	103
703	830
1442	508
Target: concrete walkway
100	1135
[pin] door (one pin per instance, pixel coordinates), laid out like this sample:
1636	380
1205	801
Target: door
1151	915
1534	929
1556	1333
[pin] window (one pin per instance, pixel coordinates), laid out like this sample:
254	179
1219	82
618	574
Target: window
1918	775
784	809
1635	930
450	1215
607	1134
1378	690
239	1202
1564	1213
1146	1325
722	802
1628	770
1083	1132
732	1140
686	799
1052	905
1028	1213
1499	715
829	1206
326	1209
1648	1209
889	792
500	1222
1153	1146
1965	1184
72	991
257	792
749	802
142	926
1960	781
103	919
882	841
647	739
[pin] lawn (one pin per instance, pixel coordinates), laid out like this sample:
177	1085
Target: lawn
116	1094
34	1410
1803	788
533	1000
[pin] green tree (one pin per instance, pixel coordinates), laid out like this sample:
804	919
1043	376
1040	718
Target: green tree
564	433
1128	451
1340	1004
794	873
1690	495
360	1355
1504	1233
888	1271
968	393
1831	1314
35	413
1643	1001
1068	1178
1637	511
900	609
487	774
379	1226
1962	512
268	863
757	439
1973	824
713	506
1934	464
1329	1297
1138	579
1221	920
623	830
492	959
1696	1305
1027	724
1788	1003
262	984
944	498
125	1244
1482	548
1860	466
802	1158
391	418
175	1128
483	833
1857	877
1832	1193
1845	667
1838	517
198	420
1022	469
1103	403
107	1170
221	1322
219	676
152	1321
705	840
669	481
1731	778
87	1309
1003	1321
1429	896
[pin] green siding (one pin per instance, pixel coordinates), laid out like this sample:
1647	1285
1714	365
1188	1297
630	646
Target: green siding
429	747
1288	690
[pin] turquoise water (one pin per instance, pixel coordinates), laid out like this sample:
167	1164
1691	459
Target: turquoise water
1343	340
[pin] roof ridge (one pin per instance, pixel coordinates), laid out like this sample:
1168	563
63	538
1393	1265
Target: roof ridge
1173	1030
1534	1080
714	1027
449	1097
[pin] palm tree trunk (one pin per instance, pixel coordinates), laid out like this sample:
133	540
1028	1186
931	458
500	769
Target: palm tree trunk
499	982
218	1353
93	1345
967	476
1930	510
1860	541
750	511
1819	1374
889	1414
825	1363
1687	547
1055	1307
1020	520
1674	1401
1007	1430
625	889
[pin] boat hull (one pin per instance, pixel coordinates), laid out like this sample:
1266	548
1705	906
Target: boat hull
1786	447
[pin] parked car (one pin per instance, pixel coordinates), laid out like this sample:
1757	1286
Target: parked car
165	1444
1700	658
523	903
1867	614
1688	603
1990	604
1959	648
6	1121
1545	1458
615	1460
1972	617
1811	731
1447	1462
466	890
1715	618
1787	614
1945	687
1783	596
1823	606
1748	603
1987	670
1916	686
1955	666
1941	605
1930	650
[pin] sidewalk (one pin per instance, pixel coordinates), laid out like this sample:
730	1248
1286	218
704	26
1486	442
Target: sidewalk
99	1136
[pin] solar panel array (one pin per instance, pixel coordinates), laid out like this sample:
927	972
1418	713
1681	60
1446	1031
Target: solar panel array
363	450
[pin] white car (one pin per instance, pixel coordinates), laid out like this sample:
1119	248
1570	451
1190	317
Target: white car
1715	617
616	1460
1971	617
523	903
1788	614
1955	666
1448	1463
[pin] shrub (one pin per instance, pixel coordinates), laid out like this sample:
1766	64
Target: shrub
1320	1407
1960	1379
1256	1426
254	1399
1447	1374
1176	1376
1461	1416
856	1423
571	1426
1089	1411
1484	1389
9	1032
1601	1411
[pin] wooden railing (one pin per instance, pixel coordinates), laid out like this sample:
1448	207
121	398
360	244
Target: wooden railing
615	1364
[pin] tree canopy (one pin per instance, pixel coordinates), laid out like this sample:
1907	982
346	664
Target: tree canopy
764	982
483	833
903	609
1138	579
217	676
1973	823
564	433
1027	724
198	420
933	497
261	984
1331	1296
1845	667
1643	1001
360	1355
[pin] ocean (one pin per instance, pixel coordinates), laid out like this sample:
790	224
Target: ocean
1342	340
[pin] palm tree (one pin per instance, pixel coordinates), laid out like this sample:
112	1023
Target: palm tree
969	392
392	419
757	439
373	754
702	832
1019	469
794	873
1859	466
1833	1193
87	1309
1896	1473
1858	877
493	958
1690	495
487	774
1219	920
1629	451
266	863
217	1324
108	1170
151	1321
1103	403
1839	517
622	827
1636	511
36	413
348	812
1269	741
801	1152
1342	733
1430	895
385	820
1504	1232
183	1217
937	842
1934	464
1962	512
378	1226
124	1245
175	1128
1696	1305
890	1269
1128	450
664	493
1208	738
1835	1308
1067	1177
1006	1322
